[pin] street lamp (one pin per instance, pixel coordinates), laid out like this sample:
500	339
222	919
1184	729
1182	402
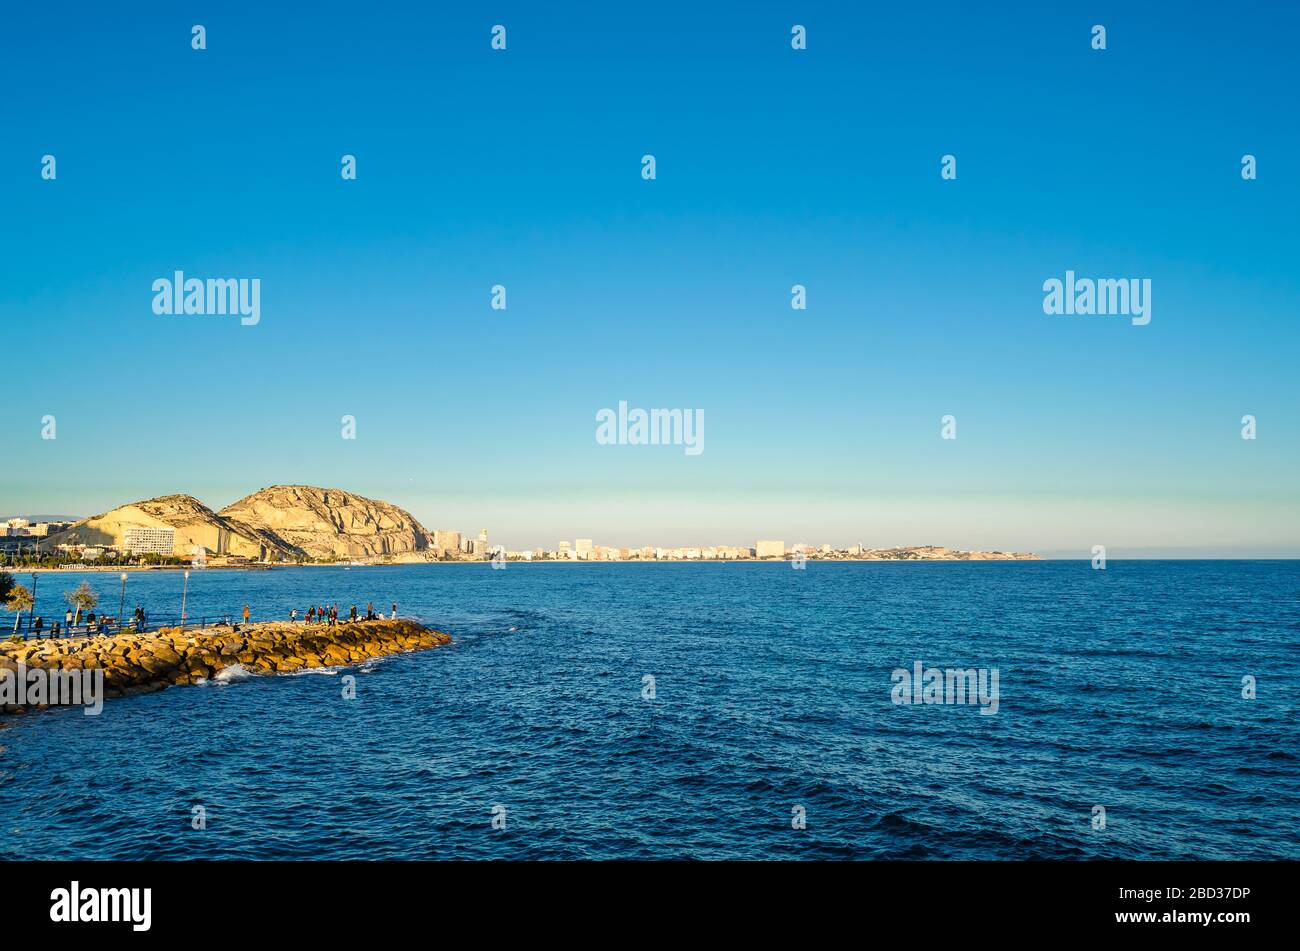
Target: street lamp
184	591
33	611
121	602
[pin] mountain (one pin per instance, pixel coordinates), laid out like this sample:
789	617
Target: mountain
283	522
192	521
328	523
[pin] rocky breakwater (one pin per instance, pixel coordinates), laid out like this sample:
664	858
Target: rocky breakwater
142	663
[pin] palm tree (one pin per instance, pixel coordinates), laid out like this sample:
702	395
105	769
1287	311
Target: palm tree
83	599
19	600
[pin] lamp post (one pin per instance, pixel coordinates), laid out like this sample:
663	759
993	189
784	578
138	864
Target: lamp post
33	611
184	591
121	602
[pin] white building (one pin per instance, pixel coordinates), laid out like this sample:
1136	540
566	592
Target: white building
769	549
157	541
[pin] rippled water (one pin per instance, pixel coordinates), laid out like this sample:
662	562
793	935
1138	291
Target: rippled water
1119	688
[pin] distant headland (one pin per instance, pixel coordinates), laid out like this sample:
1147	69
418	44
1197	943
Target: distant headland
302	524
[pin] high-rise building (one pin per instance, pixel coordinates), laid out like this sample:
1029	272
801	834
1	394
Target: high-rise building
769	549
139	540
446	540
582	547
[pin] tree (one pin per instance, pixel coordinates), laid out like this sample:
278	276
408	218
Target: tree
6	585
83	599
18	601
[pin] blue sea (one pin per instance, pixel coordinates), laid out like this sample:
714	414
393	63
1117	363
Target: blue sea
771	708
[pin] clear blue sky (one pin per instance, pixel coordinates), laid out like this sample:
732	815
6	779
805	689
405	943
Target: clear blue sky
775	167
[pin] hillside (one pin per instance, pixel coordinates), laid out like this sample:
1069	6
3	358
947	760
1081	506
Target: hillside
328	523
193	522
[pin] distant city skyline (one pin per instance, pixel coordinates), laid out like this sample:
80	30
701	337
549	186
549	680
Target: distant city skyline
1114	551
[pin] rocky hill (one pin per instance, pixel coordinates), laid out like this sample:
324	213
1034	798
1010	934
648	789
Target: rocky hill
192	522
328	523
282	523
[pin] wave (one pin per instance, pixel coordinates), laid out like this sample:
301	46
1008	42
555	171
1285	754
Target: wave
231	674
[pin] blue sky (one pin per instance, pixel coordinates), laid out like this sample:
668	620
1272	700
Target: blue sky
775	167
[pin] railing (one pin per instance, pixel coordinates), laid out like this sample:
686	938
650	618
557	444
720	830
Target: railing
107	625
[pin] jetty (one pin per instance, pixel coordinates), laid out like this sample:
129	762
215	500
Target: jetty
142	663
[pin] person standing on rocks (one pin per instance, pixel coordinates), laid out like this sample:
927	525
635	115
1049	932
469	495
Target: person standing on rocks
67	619
354	613
293	615
245	613
394	610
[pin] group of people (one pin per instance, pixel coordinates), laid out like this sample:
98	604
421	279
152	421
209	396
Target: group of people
101	624
329	614
95	624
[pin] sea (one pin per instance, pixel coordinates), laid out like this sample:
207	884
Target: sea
700	711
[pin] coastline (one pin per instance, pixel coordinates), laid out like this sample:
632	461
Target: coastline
111	569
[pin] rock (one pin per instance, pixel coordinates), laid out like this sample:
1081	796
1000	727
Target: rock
334	655
329	523
155	664
161	652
